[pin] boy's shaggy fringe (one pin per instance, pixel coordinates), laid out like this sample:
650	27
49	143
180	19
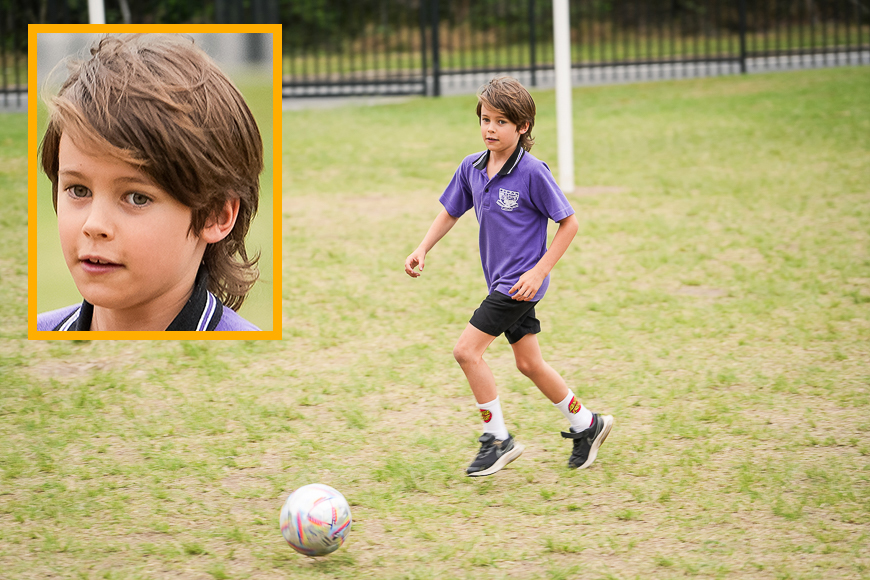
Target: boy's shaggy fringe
162	105
507	95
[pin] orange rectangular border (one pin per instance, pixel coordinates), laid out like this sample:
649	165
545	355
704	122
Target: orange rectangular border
32	95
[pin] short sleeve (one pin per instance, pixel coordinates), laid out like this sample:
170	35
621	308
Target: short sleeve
547	195
50	320
457	198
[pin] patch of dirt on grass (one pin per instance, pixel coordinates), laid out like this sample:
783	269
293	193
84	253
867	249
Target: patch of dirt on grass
93	357
62	369
238	482
701	291
744	256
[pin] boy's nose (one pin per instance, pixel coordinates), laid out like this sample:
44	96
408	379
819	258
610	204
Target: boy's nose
98	223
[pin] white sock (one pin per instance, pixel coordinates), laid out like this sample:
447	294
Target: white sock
579	416
493	420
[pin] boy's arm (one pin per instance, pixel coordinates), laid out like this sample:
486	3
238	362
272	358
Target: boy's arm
529	282
439	228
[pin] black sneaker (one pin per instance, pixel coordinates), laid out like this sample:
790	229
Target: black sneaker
493	455
587	442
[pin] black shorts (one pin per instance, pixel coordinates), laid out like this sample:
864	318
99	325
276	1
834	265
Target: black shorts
499	313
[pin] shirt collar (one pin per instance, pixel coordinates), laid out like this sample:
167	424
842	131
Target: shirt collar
509	165
201	312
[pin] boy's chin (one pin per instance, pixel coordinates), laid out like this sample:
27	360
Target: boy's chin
104	303
104	297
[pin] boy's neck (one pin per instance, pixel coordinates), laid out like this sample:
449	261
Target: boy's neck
496	161
493	166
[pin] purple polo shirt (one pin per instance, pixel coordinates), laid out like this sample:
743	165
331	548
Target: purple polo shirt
513	209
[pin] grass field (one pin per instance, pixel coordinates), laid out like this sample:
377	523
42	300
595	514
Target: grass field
716	301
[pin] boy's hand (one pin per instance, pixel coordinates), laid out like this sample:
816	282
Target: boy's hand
527	286
417	258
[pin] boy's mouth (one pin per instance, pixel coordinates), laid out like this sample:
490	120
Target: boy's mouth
98	265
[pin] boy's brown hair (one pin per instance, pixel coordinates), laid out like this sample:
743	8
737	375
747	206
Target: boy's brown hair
161	104
508	96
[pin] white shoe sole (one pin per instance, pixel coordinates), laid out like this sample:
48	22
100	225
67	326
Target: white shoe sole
605	431
502	461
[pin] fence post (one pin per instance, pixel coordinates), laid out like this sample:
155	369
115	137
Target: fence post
266	12
532	59
424	61
742	8
228	12
4	87
436	61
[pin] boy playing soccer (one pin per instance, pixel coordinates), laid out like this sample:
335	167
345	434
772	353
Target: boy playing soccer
154	159
514	195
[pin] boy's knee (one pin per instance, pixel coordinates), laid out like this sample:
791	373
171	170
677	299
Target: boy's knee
463	355
528	366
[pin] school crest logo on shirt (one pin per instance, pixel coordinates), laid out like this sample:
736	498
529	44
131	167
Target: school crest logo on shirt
507	199
574	406
485	415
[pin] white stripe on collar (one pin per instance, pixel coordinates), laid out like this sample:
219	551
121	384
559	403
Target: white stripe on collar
207	312
484	155
72	319
520	156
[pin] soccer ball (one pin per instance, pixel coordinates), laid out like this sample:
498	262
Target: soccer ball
315	520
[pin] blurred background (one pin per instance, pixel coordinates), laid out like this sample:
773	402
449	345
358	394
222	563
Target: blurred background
434	47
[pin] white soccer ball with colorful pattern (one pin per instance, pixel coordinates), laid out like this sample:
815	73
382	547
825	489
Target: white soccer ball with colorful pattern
315	520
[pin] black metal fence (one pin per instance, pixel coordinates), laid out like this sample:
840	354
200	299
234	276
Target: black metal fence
13	55
440	46
433	47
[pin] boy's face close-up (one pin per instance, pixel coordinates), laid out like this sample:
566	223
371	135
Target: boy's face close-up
125	240
499	134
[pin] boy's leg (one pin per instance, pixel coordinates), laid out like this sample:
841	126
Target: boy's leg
497	447
588	430
468	352
531	363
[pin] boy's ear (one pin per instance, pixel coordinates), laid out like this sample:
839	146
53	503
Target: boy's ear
524	127
221	223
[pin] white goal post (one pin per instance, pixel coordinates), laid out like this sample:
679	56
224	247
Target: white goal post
564	118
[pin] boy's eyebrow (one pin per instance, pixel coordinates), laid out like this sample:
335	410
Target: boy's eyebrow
70	173
131	179
496	114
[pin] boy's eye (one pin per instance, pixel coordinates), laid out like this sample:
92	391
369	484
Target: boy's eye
138	199
78	191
